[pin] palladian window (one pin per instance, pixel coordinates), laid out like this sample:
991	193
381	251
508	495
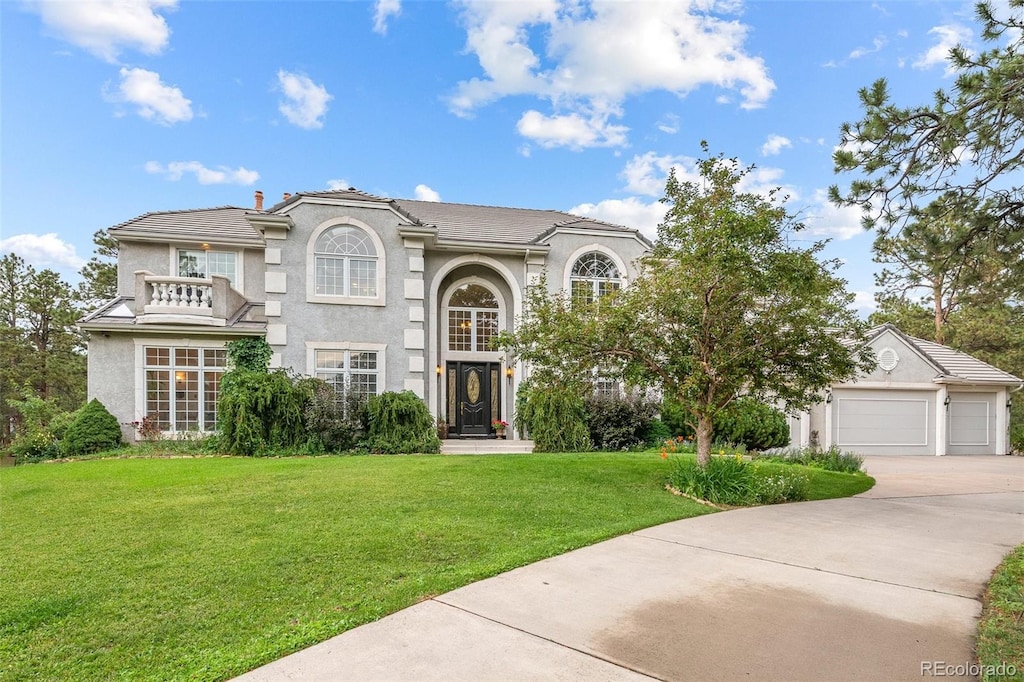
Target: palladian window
346	263
472	318
593	276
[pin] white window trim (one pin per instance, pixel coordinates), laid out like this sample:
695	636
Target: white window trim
446	352
379	348
239	284
584	250
313	297
140	369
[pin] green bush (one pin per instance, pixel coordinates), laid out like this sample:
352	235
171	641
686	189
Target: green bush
734	481
773	485
94	429
830	460
745	421
259	413
400	423
618	422
335	421
657	433
554	416
250	353
42	424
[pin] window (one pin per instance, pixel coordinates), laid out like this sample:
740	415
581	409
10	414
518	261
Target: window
356	371
346	263
203	264
182	386
472	318
593	275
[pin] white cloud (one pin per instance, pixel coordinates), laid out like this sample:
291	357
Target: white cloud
823	219
336	184
647	173
948	37
382	11
775	144
105	27
864	300
222	175
877	45
631	212
599	53
669	124
155	101
306	103
425	193
571	130
42	250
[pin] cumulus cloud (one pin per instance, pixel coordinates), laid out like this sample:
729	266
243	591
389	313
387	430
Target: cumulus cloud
825	220
382	11
105	27
599	53
425	193
154	100
305	103
42	250
631	212
947	37
647	173
574	131
336	184
864	301
222	175
775	144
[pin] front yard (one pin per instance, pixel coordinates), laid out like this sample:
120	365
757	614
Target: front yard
205	568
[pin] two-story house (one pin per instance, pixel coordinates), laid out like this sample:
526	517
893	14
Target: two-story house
364	291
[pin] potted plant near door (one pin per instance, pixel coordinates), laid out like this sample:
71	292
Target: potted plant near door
499	426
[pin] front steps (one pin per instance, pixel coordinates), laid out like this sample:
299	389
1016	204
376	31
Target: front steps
484	446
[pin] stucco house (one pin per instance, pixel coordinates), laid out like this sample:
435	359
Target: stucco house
921	398
367	291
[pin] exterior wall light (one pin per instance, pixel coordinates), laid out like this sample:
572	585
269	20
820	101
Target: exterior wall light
509	373
947	401
828	398
438	370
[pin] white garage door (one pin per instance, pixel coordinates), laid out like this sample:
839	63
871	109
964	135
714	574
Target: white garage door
877	422
972	424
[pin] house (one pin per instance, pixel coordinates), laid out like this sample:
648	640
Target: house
921	398
360	290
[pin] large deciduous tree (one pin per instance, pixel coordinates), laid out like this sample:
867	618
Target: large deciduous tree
725	305
968	144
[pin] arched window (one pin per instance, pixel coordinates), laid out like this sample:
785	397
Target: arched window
472	318
593	275
346	263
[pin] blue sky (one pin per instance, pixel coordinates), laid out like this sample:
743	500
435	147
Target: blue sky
113	108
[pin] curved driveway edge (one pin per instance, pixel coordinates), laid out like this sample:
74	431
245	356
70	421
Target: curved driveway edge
882	586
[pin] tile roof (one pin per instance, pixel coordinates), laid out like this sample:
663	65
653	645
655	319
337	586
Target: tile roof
117	313
954	366
222	223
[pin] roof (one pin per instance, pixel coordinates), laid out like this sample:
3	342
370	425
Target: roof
472	222
116	314
953	365
220	224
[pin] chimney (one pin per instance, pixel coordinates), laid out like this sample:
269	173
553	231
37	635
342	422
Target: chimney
286	195
259	200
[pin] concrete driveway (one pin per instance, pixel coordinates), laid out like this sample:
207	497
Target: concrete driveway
875	587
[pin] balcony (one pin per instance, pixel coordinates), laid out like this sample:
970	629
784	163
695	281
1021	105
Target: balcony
185	300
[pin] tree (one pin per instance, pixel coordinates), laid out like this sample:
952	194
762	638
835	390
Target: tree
967	145
99	275
725	305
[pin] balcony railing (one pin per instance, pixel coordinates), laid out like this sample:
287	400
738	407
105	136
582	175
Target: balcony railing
184	300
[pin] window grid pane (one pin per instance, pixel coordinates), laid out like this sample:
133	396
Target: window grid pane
486	329
215	357
186	400
363	276
186	357
211	392
221	263
330	276
191	263
159	357
460	330
158	397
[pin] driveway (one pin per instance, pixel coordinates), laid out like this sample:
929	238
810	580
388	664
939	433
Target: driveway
874	587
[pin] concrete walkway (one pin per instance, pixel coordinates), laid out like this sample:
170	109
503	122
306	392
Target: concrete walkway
865	588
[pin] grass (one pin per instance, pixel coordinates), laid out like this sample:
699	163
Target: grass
205	568
1001	630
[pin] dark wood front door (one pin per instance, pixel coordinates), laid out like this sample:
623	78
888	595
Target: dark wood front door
476	396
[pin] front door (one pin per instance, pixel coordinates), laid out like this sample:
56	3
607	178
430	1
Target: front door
476	396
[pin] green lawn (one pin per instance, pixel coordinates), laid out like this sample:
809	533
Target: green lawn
205	568
1001	630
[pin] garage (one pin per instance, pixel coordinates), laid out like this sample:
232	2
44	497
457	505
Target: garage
920	398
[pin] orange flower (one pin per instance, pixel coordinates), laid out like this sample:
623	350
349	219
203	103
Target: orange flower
664	455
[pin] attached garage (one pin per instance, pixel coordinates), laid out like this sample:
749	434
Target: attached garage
922	398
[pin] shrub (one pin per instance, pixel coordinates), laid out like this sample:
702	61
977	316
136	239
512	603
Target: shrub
745	421
657	433
618	422
555	417
250	353
94	429
732	480
335	421
829	460
400	423
773	485
35	438
261	412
